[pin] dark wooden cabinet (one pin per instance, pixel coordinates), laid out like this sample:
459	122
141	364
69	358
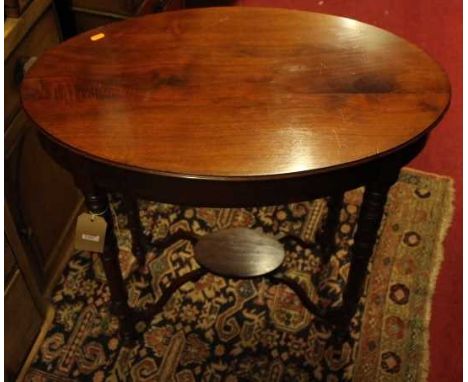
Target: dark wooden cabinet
41	201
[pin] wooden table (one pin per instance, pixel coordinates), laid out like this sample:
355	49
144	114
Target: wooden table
230	107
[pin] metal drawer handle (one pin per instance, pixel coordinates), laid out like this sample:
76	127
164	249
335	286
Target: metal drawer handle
22	66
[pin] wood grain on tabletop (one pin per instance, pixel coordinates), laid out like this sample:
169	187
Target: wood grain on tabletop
235	92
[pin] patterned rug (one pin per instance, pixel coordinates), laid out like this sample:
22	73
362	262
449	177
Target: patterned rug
250	330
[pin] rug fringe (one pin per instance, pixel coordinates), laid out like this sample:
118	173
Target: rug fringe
423	172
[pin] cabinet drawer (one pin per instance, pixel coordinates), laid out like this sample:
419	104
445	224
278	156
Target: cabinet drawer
44	34
22	322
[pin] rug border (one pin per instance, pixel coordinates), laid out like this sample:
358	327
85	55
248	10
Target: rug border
439	256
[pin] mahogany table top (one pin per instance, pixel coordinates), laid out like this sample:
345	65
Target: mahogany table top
235	92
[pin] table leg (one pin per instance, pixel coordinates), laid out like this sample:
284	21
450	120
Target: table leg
98	203
136	229
370	216
326	238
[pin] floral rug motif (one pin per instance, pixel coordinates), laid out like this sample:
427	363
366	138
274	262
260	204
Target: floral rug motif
251	330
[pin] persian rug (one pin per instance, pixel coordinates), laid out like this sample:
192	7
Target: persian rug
232	330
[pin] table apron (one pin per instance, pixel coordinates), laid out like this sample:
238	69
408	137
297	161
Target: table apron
226	193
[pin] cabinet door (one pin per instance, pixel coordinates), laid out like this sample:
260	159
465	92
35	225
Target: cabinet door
41	196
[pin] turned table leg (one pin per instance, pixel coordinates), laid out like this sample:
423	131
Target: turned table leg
326	238
136	229
370	216
97	203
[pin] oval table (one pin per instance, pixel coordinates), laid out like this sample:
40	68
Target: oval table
236	107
